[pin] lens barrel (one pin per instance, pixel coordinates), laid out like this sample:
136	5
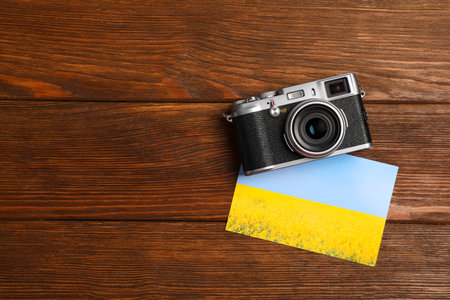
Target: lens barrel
315	128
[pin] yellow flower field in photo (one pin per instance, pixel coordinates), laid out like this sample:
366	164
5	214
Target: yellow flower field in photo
305	224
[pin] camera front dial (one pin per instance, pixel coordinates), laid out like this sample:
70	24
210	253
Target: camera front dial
315	128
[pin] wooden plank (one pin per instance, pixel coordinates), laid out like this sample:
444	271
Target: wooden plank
97	160
220	50
140	259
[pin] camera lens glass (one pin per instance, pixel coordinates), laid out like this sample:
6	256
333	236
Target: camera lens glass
316	128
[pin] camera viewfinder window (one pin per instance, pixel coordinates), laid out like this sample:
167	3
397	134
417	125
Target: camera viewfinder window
337	87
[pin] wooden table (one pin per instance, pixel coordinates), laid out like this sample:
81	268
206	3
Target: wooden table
117	169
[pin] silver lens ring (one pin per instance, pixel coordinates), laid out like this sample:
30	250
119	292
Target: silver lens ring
292	140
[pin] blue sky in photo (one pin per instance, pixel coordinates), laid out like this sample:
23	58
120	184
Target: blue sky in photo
344	181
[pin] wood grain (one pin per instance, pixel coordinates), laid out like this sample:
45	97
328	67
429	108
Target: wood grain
152	259
127	126
94	160
220	50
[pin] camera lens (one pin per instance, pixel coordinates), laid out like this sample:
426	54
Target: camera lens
315	128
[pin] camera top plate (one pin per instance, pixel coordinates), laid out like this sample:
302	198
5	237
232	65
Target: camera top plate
296	93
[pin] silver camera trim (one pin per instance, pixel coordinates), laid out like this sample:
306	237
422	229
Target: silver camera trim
312	90
289	130
305	159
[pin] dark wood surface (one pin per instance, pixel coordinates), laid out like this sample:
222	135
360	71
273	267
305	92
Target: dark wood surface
220	50
169	162
117	168
196	259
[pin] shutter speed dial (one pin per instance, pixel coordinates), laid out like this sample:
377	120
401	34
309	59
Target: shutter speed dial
267	94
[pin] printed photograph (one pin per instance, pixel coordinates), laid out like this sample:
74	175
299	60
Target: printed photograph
339	209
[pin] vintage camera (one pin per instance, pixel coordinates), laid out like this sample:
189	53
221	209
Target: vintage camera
301	123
